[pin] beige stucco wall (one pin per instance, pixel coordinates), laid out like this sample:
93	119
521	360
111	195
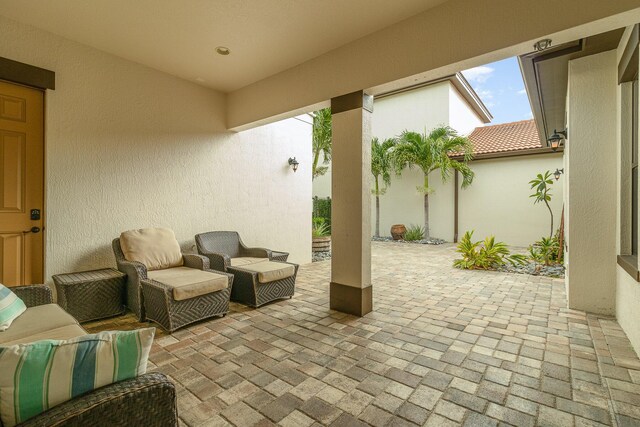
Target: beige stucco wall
627	288
129	147
498	202
591	181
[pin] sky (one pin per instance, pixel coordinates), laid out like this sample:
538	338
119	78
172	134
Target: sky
500	86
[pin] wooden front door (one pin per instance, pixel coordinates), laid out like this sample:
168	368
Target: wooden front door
21	184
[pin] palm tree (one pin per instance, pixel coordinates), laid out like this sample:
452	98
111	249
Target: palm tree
431	152
381	165
321	141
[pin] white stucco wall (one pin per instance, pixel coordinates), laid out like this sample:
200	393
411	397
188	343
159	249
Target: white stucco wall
131	147
591	182
498	202
461	117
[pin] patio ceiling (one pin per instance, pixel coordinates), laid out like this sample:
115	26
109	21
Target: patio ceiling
180	38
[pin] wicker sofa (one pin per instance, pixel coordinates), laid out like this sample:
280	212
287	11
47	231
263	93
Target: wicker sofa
148	400
155	298
226	252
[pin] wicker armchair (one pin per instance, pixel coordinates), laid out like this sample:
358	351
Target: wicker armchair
152	300
221	247
148	400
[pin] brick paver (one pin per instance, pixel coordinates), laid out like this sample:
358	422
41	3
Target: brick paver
442	347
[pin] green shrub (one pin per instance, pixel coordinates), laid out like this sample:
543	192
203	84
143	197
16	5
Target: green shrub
413	233
319	228
546	251
485	255
322	209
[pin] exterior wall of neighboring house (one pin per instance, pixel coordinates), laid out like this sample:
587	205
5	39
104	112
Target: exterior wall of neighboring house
591	182
498	202
130	147
461	117
418	110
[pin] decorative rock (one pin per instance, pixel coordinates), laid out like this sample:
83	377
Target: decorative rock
431	241
321	256
536	269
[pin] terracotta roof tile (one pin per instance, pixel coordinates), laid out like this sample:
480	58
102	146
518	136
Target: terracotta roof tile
515	136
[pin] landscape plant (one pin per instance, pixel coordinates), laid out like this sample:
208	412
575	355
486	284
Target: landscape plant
322	209
541	184
431	152
546	251
319	228
485	255
381	167
414	233
321	142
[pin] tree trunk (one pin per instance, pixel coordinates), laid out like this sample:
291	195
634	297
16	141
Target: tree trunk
550	213
426	207
377	209
314	165
561	237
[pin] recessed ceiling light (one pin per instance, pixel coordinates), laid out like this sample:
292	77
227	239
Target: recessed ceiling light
223	50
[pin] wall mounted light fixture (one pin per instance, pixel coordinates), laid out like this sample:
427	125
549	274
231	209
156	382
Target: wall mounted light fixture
556	139
293	163
557	173
541	45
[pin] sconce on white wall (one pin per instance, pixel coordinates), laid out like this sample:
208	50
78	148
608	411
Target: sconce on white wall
293	163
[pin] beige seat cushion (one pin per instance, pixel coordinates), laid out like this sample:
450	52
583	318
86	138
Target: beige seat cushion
156	248
61	333
190	282
39	322
270	271
237	262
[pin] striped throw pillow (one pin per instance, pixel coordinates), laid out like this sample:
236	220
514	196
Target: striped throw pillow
37	376
10	307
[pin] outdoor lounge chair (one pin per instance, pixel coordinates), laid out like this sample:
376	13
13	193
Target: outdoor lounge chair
166	286
258	278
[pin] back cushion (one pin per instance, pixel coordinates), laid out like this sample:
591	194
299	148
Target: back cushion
10	307
37	376
156	248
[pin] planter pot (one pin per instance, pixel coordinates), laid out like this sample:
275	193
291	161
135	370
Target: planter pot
397	231
321	244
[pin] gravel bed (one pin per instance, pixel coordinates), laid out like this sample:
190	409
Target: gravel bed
431	241
321	256
536	270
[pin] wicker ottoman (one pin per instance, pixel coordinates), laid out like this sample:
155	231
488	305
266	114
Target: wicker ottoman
91	295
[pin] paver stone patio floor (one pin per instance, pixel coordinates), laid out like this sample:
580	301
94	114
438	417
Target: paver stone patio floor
442	347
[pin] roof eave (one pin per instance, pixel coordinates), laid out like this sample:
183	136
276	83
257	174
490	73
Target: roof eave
469	94
511	153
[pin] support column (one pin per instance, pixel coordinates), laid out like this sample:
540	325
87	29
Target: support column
350	290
